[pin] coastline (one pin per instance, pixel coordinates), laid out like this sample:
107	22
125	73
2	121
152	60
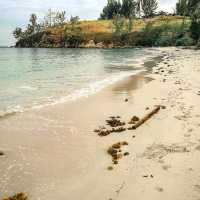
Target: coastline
56	155
134	66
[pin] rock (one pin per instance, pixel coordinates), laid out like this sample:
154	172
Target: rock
126	100
90	44
100	45
133	136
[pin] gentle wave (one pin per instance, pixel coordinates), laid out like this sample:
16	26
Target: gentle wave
131	66
93	88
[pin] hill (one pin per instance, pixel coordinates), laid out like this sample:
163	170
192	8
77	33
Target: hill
157	31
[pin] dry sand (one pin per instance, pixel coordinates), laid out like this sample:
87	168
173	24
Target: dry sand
53	153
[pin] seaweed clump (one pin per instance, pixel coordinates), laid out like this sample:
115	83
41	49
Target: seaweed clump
19	196
115	151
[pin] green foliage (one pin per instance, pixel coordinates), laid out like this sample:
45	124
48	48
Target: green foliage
33	20
182	7
192	5
149	7
60	18
121	25
73	40
112	9
17	33
74	20
165	35
184	41
195	25
126	8
186	7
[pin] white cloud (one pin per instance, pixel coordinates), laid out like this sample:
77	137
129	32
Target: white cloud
16	12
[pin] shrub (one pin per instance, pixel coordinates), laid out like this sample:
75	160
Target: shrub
185	41
164	40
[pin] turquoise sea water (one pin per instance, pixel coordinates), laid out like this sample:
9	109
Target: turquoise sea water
37	77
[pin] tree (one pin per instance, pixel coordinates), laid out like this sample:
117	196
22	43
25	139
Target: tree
182	7
119	23
112	9
60	17
29	30
149	7
33	21
195	24
74	20
17	33
50	18
128	8
192	5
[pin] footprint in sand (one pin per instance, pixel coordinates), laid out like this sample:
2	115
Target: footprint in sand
166	167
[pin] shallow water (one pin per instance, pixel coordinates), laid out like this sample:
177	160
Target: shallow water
36	77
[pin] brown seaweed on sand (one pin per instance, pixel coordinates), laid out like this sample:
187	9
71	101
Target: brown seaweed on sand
115	151
114	122
106	132
134	119
145	118
1	153
19	196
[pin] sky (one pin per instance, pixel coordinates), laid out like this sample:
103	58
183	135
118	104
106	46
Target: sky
15	13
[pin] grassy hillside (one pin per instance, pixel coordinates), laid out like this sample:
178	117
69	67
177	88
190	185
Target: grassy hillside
106	26
102	31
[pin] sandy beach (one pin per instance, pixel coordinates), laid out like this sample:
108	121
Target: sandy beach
54	153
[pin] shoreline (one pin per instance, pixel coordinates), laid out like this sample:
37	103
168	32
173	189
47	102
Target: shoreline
55	153
144	67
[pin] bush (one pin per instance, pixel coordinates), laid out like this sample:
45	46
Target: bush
185	41
164	41
165	35
73	40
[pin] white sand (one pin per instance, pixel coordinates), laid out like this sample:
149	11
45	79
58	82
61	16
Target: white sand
53	153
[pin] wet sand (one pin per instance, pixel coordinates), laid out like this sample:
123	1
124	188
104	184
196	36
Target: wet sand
54	153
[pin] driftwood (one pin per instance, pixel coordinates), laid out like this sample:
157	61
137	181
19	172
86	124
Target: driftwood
145	118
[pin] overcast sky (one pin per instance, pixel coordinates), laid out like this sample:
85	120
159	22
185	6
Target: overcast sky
16	12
